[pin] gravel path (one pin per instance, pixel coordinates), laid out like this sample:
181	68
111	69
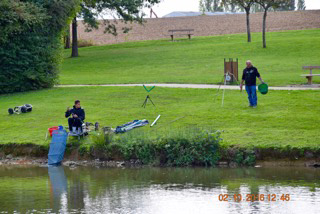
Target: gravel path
200	86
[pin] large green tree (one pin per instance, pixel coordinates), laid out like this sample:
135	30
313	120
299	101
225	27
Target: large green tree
122	10
30	42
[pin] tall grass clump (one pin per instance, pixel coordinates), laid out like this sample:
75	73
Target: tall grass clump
85	43
181	147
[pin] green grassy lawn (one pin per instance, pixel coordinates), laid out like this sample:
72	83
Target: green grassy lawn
282	118
199	60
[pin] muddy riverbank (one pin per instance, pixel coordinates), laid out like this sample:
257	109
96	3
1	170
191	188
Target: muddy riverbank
30	154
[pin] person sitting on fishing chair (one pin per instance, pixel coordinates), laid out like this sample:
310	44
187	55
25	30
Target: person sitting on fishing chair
78	116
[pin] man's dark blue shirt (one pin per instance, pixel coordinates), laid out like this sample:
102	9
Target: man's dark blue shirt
249	76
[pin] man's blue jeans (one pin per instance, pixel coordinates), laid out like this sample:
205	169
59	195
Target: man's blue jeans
252	95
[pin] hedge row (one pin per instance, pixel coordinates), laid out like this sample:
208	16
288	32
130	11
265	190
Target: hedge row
30	42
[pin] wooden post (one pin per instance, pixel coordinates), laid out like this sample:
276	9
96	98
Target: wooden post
236	69
309	80
231	67
232	71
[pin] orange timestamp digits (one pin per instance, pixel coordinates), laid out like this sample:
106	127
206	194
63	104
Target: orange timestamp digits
254	197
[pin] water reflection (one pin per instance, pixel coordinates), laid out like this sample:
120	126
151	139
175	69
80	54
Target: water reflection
58	188
156	190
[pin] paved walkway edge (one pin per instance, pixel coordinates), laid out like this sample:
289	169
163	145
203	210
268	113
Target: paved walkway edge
198	86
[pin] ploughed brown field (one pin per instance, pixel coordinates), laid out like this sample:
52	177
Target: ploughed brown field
205	26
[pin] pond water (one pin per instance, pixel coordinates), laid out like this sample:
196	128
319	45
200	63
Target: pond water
159	190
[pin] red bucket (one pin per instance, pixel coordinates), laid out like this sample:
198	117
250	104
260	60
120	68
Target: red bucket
52	129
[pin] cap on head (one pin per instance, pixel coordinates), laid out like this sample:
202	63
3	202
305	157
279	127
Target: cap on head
248	62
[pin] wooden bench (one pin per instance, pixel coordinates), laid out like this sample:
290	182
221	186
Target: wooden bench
181	32
310	75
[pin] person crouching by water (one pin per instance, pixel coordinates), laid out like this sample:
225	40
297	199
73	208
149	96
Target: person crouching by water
78	115
249	76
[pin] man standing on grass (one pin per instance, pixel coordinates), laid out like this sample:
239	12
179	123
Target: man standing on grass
249	76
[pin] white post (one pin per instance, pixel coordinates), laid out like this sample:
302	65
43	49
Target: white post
154	122
225	83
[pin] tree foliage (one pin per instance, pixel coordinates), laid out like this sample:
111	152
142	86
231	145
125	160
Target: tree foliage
233	5
286	5
211	6
127	11
121	10
301	5
30	42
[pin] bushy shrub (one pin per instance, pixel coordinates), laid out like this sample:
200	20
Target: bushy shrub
240	156
183	147
198	147
100	139
84	43
30	42
85	148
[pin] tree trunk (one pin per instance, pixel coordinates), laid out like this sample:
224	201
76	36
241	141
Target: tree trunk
264	28
67	39
248	24
67	42
74	38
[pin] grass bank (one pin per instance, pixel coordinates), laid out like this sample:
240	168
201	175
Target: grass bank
199	60
282	119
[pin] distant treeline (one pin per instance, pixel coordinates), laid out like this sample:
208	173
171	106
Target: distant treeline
231	6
